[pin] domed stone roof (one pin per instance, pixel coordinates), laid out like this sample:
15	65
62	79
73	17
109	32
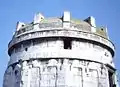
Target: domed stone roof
87	25
57	22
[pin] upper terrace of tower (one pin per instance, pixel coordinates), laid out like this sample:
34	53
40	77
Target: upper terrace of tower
64	22
64	26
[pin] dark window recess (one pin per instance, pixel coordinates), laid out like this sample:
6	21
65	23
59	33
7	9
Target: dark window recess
26	49
22	25
16	72
102	29
106	54
111	79
67	43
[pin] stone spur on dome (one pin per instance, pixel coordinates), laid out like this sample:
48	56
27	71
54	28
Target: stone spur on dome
87	25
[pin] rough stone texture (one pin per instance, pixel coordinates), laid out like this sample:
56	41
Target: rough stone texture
51	53
56	73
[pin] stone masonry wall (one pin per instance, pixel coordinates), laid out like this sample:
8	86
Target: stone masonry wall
56	73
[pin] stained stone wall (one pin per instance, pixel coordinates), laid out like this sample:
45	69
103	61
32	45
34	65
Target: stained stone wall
54	48
56	73
60	52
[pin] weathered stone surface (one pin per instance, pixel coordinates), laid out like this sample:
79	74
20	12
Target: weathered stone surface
54	72
59	52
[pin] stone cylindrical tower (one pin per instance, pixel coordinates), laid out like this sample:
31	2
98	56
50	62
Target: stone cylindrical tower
60	52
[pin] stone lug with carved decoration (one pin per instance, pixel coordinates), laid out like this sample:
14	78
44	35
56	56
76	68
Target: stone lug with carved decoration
60	52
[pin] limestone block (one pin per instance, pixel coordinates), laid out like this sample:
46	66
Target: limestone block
38	17
17	75
19	25
36	63
25	74
76	74
8	77
66	16
44	82
35	77
52	62
91	79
